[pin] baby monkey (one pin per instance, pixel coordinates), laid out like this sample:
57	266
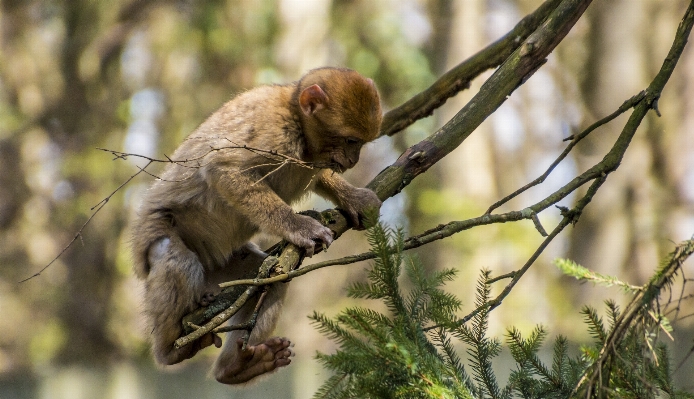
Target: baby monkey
193	227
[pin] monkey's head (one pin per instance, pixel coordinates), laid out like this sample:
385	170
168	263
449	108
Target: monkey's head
340	112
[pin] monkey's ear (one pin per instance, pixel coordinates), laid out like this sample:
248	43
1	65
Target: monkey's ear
312	99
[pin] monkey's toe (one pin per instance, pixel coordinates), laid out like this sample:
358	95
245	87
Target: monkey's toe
207	298
256	360
210	339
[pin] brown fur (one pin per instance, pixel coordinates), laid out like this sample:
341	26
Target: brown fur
194	224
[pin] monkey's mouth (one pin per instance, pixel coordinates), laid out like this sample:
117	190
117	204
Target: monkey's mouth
338	167
334	166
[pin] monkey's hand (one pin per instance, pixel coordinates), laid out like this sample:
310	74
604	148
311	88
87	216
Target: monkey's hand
306	232
356	202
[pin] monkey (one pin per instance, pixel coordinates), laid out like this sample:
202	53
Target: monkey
235	175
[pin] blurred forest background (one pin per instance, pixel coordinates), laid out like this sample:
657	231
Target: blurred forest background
138	76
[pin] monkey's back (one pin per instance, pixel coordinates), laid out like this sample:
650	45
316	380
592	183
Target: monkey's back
185	202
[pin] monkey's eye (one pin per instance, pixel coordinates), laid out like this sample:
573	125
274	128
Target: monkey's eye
352	140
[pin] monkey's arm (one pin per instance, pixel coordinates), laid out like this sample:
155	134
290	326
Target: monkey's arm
247	193
355	201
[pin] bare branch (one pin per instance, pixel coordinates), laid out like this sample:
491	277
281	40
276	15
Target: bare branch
96	208
227	313
630	103
515	71
459	77
280	159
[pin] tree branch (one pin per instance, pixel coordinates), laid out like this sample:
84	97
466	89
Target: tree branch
644	297
459	78
225	314
630	103
515	71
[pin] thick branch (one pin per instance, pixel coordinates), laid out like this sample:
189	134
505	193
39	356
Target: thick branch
530	56
459	78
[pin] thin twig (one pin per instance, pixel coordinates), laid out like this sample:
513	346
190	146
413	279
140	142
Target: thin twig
95	209
575	139
285	159
569	218
269	154
431	235
269	173
501	277
249	324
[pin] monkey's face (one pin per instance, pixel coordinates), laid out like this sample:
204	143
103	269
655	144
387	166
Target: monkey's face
335	136
339	140
345	128
342	153
340	113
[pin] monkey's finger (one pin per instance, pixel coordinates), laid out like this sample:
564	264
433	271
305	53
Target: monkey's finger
356	220
309	252
209	339
326	236
217	340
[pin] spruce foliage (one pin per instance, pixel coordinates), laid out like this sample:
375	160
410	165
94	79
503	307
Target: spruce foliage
410	353
393	356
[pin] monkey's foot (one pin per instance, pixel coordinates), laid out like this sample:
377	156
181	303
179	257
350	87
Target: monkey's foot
255	360
207	298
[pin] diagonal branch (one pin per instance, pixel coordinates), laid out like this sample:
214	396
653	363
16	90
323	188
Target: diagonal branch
517	69
614	156
459	77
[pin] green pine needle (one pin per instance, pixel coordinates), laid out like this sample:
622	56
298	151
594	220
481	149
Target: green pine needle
408	352
571	268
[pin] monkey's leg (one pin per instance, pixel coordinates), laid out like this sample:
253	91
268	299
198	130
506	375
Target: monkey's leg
243	263
262	355
174	287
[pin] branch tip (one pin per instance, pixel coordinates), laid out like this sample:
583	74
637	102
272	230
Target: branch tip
538	225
